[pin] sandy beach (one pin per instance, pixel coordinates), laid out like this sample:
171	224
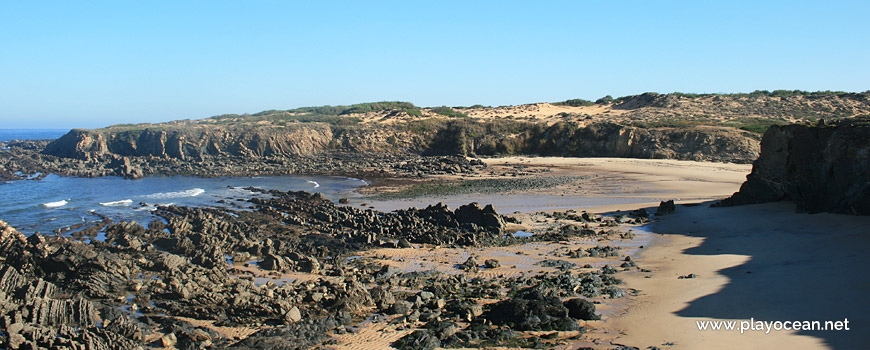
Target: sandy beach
764	262
601	185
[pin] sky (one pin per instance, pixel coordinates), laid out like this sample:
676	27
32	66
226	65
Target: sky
70	64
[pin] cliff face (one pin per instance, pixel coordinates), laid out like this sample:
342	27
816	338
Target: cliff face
194	142
602	139
820	168
612	140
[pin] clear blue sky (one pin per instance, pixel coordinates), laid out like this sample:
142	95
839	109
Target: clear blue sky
89	64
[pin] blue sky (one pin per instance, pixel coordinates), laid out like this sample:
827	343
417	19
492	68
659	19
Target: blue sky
69	64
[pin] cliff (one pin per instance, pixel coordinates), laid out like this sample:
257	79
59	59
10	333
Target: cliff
701	127
467	138
193	142
820	168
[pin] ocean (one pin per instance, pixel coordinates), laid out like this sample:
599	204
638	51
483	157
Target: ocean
56	202
31	134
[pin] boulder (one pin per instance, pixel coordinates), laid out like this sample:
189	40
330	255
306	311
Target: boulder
666	207
581	309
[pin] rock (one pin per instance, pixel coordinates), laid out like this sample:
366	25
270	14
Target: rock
469	264
486	217
560	264
666	207
274	262
819	168
403	243
533	308
426	295
15	340
418	340
382	297
293	315
169	340
491	264
581	309
691	275
639	213
401	308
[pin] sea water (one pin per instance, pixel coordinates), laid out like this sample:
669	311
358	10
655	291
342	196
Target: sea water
55	201
31	134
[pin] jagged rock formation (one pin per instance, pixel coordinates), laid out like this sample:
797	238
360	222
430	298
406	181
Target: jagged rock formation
820	168
135	288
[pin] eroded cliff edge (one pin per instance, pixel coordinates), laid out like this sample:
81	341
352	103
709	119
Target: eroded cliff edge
822	168
443	137
380	137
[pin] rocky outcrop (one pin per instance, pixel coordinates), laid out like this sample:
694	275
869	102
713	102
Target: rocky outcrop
193	142
614	140
820	168
127	149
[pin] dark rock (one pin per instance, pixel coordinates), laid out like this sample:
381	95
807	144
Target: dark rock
581	309
666	207
491	264
533	308
418	340
470	264
274	262
560	264
486	217
819	168
403	243
401	307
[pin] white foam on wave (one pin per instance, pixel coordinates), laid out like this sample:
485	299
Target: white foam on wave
241	190
193	192
316	185
57	204
120	203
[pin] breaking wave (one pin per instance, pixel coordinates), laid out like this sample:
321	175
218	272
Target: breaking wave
193	192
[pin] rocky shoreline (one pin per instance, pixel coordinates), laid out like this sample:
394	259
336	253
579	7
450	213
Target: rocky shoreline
25	159
287	275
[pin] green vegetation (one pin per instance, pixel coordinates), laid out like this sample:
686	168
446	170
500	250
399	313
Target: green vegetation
756	128
604	100
333	115
789	93
774	93
577	102
477	186
670	123
450	112
407	107
755	125
285	118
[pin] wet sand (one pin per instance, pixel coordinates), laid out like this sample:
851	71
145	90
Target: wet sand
603	184
763	261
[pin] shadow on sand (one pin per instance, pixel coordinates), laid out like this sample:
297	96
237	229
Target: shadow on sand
801	266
